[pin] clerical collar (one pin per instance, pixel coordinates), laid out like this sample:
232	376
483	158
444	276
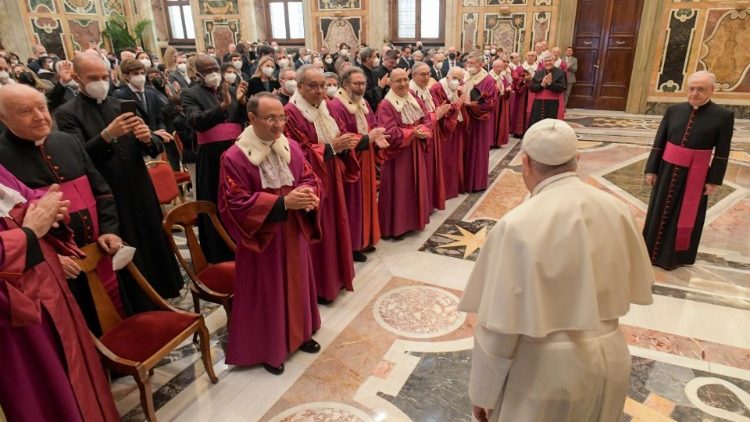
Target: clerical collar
552	180
700	106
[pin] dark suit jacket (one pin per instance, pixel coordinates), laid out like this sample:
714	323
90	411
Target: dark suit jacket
177	76
447	65
255	85
298	63
203	112
152	115
434	75
405	64
59	95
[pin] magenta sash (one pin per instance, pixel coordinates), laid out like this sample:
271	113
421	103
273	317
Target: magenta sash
220	132
697	161
78	192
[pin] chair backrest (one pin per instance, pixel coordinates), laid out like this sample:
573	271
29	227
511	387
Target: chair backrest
186	216
164	181
105	310
177	139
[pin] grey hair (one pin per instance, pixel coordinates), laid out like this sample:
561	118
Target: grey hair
476	55
300	77
283	71
329	75
346	75
703	74
14	91
418	64
365	54
457	70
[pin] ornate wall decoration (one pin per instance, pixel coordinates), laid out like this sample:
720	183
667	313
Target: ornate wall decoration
542	2
724	49
505	2
470	3
48	32
218	7
469	31
80	7
339	4
505	31
82	31
337	30
220	33
676	50
41	6
113	7
540	30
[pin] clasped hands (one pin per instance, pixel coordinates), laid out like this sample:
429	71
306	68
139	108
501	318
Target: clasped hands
301	198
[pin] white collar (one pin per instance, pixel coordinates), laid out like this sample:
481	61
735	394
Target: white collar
9	198
399	102
352	106
309	111
256	150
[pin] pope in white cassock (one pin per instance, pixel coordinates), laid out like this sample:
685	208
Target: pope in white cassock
548	288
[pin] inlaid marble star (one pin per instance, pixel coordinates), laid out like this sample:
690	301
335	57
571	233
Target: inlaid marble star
471	241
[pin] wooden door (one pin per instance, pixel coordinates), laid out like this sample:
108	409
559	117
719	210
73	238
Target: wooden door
606	34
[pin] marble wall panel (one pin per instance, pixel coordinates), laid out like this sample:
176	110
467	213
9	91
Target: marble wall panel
111	7
80	7
41	6
676	50
505	31
48	32
339	4
336	30
540	31
218	7
724	49
160	20
82	31
220	33
469	31
505	2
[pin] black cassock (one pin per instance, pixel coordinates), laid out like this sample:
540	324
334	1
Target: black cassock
121	163
62	159
202	110
548	101
707	128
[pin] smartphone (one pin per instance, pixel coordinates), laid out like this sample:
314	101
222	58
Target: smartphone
127	106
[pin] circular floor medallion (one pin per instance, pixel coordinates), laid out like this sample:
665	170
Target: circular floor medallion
323	412
418	312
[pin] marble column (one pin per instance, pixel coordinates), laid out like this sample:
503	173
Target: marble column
650	26
379	23
145	11
566	25
13	30
452	36
307	17
248	17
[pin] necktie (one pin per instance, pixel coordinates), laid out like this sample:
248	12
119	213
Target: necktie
439	74
142	99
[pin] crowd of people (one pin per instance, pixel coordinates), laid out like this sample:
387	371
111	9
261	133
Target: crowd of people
311	157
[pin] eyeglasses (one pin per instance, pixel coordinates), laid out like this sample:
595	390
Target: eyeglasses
273	119
316	86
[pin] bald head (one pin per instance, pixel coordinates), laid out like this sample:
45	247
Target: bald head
89	59
23	110
206	64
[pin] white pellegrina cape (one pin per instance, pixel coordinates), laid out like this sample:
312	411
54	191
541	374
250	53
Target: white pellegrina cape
550	283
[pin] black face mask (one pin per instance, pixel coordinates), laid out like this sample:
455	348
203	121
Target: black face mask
26	78
158	82
452	56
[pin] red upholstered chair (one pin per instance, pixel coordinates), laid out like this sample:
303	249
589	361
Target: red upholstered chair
211	282
164	181
135	345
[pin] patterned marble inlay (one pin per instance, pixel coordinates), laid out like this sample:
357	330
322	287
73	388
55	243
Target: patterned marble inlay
418	312
323	412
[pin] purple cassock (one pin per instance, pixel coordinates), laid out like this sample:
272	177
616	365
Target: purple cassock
361	194
50	368
404	201
275	306
332	256
450	130
480	135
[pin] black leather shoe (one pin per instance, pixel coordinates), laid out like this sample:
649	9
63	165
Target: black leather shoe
368	249
359	256
324	301
310	346
276	370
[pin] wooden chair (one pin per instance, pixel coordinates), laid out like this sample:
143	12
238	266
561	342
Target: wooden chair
211	282
136	344
183	176
164	181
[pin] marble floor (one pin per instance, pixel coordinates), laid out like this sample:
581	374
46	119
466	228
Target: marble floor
396	349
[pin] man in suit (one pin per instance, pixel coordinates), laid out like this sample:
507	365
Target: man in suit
438	64
452	60
66	87
302	55
376	85
147	102
570	72
180	75
406	61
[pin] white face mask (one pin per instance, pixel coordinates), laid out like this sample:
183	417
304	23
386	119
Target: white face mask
146	63
438	65
138	81
213	79
237	64
493	51
275	48
290	86
13	62
486	52
283	63
331	91
4	75
268	70
453	84
344	52
329	60
306	59
472	70
97	90
375	62
230	77
182	68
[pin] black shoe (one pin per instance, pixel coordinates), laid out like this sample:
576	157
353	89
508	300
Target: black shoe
276	370
310	346
324	301
359	256
399	237
368	249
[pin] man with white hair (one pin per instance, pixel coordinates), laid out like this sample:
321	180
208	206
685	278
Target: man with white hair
504	82
449	130
683	173
329	149
480	105
551	282
547	87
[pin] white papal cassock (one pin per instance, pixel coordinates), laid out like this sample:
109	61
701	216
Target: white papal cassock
552	280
